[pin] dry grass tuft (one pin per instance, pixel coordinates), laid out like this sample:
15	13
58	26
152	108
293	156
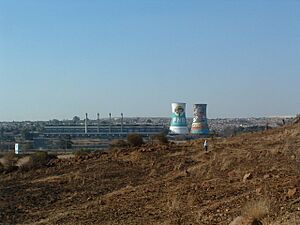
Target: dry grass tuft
160	138
253	213
175	210
1	167
227	163
135	140
25	163
256	209
8	160
282	223
285	220
119	143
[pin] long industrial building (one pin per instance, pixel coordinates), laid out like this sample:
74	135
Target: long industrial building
102	131
110	130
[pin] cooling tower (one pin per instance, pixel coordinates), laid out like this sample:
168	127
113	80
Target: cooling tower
178	122
199	125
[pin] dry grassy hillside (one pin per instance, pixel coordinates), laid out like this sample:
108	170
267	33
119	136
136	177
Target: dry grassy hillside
173	184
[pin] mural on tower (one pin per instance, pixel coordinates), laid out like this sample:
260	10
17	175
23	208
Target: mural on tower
199	125
178	119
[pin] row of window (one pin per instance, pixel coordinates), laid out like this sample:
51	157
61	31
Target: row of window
101	130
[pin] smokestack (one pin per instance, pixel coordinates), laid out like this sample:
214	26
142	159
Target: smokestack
98	123
85	124
122	120
110	123
178	122
199	125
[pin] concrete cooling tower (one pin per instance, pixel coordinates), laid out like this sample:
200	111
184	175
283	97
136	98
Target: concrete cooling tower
199	125
178	122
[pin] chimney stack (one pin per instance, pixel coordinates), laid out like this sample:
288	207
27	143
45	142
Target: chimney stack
109	123
122	120
85	124
98	123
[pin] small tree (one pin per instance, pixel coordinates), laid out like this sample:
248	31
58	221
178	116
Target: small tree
40	158
26	134
65	142
135	139
76	119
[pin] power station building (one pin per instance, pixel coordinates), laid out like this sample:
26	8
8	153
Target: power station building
102	131
108	129
98	130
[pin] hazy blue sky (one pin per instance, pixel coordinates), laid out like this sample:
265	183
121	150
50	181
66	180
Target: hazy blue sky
60	58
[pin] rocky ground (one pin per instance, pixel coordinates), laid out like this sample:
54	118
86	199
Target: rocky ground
163	184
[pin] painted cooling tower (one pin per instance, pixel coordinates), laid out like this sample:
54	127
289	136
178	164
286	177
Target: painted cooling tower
178	122
199	125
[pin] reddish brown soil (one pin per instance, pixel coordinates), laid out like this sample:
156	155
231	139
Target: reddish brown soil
152	185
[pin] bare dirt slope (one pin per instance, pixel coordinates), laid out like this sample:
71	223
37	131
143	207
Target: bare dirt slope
174	184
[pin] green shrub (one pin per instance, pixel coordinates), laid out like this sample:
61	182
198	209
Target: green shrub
135	140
